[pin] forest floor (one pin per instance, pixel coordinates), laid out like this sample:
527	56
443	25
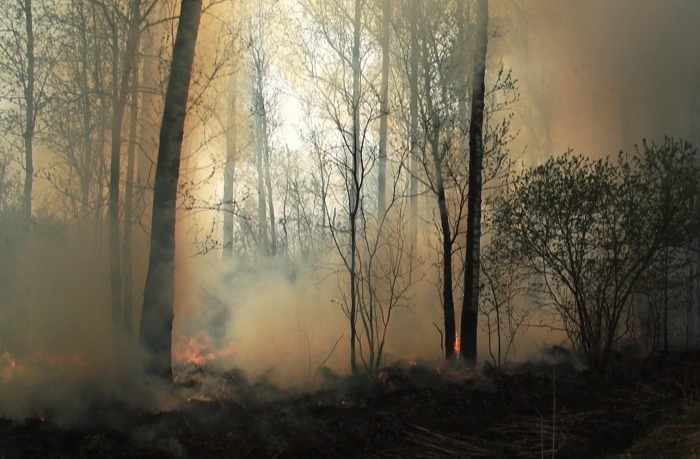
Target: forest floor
644	409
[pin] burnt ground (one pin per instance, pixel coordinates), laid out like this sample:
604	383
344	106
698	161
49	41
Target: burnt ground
402	411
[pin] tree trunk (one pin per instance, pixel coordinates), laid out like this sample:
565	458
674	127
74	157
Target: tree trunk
413	114
159	292
354	201
448	304
470	305
120	92
127	275
85	171
229	168
268	181
384	109
30	117
263	240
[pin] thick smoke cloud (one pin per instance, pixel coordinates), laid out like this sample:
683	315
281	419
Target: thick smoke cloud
599	76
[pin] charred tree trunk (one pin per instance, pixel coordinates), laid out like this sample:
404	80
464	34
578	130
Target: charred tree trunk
448	304
384	109
470	305
30	116
159	292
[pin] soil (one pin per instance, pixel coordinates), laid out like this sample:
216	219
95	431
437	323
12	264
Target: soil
405	410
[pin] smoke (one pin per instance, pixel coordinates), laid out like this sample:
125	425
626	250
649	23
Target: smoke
599	76
55	332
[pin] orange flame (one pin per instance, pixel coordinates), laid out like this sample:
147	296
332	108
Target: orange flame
195	350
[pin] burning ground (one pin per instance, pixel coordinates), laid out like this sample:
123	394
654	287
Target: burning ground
405	410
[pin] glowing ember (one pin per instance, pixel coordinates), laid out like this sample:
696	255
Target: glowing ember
457	345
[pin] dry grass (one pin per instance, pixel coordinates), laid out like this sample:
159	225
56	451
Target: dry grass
679	438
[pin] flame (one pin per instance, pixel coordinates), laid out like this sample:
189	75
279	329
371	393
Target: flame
457	344
11	368
196	350
199	349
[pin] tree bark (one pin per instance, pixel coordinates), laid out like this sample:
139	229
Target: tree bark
159	292
470	304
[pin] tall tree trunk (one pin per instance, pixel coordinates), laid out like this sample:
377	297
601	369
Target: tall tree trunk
354	191
115	279
448	304
229	168
120	92
159	292
30	116
263	240
413	114
470	305
86	164
384	108
129	207
268	179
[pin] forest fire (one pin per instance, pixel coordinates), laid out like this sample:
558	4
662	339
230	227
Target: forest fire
12	366
226	227
198	350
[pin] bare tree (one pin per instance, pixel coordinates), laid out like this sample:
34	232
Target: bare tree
502	315
263	113
26	63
